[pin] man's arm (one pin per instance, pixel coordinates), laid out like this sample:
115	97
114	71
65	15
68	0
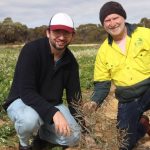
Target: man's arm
101	90
27	74
102	82
73	90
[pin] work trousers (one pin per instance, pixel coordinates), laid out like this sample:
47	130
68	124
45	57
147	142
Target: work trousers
128	118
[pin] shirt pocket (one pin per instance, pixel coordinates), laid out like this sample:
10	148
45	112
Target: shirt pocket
115	65
142	59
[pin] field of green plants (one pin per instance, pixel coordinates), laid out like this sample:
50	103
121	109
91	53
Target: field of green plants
85	55
104	119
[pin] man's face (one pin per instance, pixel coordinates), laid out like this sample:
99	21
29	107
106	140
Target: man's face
59	39
114	24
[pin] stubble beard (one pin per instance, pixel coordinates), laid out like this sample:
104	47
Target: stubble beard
57	47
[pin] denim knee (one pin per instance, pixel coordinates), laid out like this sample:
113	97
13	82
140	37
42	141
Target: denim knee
27	123
24	117
75	138
47	133
71	140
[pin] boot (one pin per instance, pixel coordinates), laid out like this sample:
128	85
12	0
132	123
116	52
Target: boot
39	144
24	147
144	120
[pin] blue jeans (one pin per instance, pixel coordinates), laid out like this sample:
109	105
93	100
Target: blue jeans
27	123
128	118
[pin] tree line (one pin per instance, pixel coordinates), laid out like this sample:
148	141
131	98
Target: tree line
16	32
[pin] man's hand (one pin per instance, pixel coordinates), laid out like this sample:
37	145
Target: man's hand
61	124
90	106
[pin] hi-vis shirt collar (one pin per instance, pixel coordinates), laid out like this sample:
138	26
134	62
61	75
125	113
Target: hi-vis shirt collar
130	30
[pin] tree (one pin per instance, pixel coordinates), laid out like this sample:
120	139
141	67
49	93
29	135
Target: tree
89	33
15	32
145	22
11	32
37	32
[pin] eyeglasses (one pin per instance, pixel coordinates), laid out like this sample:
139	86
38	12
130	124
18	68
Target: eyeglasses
59	33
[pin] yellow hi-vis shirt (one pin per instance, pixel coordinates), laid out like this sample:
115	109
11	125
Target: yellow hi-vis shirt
125	69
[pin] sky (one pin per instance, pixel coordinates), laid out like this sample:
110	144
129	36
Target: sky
35	13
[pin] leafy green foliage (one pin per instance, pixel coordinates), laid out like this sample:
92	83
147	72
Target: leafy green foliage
86	72
8	59
5	132
12	32
86	57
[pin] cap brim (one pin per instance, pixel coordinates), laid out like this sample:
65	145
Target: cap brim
61	27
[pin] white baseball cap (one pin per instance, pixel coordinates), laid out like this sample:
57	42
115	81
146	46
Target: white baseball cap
61	21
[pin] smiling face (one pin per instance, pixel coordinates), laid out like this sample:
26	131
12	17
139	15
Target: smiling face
59	39
114	24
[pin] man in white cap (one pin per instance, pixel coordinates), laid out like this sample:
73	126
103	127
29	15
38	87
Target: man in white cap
124	60
45	68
